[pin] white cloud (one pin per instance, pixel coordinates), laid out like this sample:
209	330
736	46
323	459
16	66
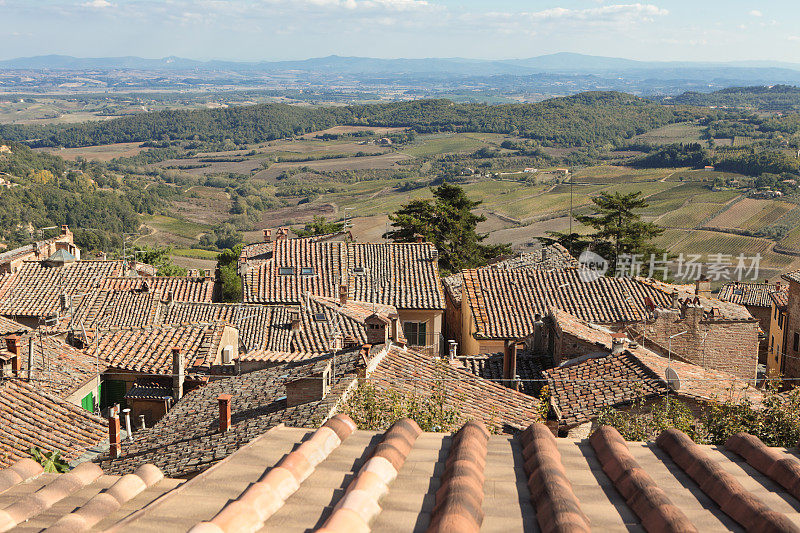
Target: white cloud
756	13
794	38
98	4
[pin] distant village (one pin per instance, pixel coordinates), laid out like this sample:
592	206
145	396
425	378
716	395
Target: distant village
176	411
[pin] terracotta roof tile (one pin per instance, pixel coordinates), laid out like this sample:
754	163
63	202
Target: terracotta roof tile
553	257
402	275
750	294
31	417
149	349
181	288
497	406
504	303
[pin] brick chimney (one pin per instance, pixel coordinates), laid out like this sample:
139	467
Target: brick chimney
283	233
13	346
114	440
675	299
207	272
224	412
178	373
267	235
343	294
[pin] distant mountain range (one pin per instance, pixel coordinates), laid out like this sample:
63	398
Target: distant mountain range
546	75
561	63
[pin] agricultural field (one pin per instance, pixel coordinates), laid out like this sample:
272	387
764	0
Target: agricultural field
751	214
103	152
684	132
363	181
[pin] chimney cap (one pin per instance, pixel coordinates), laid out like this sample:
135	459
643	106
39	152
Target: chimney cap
224	397
176	349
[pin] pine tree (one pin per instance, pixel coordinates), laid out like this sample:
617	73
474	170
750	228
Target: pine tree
449	223
619	229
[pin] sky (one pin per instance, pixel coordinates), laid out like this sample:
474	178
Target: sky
247	30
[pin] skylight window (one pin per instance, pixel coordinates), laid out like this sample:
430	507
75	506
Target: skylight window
307	271
320	317
358	270
286	271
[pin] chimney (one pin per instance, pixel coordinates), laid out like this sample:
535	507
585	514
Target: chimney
267	235
675	299
702	287
419	238
452	351
777	285
283	233
114	445
365	352
544	254
145	286
224	412
343	294
13	346
395	320
170	297
177	373
65	230
207	272
509	363
617	343
66	303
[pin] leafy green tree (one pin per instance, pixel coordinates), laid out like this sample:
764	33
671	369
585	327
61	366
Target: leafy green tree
319	226
159	257
50	461
222	237
619	229
227	262
448	222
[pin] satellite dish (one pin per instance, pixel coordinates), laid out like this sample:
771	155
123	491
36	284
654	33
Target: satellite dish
673	380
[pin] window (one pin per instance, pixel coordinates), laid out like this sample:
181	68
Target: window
796	343
307	271
320	317
771	342
286	271
358	270
780	321
415	333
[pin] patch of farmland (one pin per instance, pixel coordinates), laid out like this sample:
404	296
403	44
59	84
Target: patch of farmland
102	152
704	242
383	161
684	132
428	146
688	216
751	214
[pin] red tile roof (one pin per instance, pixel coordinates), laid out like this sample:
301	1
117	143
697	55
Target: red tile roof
751	294
581	388
181	288
31	417
35	289
499	407
504	303
149	350
399	274
781	297
58	368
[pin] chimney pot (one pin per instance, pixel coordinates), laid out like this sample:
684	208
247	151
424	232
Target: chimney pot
177	373
267	235
207	272
343	294
365	351
224	412
115	446
64	230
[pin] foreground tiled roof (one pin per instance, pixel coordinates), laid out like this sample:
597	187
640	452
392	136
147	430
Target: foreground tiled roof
179	288
473	397
31	417
552	257
188	438
504	303
399	274
581	388
403	480
35	289
753	294
792	276
149	349
115	309
58	368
